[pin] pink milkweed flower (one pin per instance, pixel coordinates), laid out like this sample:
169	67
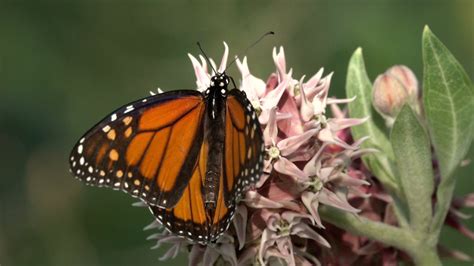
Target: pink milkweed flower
176	244
280	62
203	77
325	177
262	96
254	87
280	151
222	251
280	229
313	113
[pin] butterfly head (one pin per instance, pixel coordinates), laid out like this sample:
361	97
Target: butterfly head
220	80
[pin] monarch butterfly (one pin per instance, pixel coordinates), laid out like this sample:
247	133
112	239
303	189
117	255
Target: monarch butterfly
189	155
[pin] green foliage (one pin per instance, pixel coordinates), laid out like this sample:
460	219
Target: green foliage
448	98
411	147
359	85
449	107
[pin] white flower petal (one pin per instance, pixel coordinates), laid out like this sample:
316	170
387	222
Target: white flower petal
223	65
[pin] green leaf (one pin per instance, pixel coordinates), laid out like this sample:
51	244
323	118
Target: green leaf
359	85
448	99
412	150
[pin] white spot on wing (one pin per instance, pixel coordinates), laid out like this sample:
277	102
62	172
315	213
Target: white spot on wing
128	109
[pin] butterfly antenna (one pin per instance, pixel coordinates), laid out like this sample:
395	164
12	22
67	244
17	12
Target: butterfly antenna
250	46
205	56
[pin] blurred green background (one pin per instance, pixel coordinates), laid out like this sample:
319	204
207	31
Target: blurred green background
66	64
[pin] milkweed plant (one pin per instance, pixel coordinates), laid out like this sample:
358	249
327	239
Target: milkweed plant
339	186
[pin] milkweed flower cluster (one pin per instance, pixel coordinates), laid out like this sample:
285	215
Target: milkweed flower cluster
308	164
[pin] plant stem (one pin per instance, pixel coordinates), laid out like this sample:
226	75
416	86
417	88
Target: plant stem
444	196
404	239
387	234
425	257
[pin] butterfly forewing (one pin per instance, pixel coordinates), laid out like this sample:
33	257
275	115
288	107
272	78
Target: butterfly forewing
244	148
146	148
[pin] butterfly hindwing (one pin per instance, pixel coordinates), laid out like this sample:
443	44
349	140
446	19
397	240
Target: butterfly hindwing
188	217
223	213
147	148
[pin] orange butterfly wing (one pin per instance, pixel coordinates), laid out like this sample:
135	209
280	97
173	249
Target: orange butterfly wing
242	166
244	147
243	159
188	218
147	148
155	149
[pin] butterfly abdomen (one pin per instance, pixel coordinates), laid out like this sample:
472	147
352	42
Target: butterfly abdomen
215	135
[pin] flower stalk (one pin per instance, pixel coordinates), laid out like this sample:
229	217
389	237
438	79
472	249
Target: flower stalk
403	239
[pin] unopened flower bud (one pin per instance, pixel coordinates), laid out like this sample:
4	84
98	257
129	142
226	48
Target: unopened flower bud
407	78
393	89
